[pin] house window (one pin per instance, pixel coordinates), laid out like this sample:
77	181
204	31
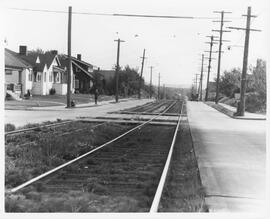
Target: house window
45	73
30	76
57	77
50	77
38	77
8	72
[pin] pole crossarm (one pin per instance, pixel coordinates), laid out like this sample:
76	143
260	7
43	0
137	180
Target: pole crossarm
223	21
221	31
215	51
211	42
221	40
224	12
213	36
240	28
121	41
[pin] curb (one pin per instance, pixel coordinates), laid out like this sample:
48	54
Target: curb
229	113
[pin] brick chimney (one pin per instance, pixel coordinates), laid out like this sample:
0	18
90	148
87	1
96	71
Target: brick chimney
79	57
22	50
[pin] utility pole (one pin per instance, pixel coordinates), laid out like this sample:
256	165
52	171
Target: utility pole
209	65
201	78
164	93
117	69
150	92
69	57
241	106
220	48
196	81
158	86
140	79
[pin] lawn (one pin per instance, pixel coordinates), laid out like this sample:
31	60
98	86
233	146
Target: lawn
54	100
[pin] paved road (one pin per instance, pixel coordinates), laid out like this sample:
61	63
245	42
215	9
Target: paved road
231	157
41	114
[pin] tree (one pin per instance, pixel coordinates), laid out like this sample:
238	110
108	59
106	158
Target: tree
36	51
259	73
230	82
129	81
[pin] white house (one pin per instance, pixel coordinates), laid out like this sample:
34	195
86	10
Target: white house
35	73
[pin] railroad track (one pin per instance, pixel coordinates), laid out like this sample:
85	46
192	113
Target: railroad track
37	128
59	133
153	108
130	165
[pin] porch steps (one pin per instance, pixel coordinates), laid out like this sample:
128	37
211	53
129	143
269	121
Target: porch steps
13	95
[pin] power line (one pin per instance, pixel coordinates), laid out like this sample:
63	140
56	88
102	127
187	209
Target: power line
120	14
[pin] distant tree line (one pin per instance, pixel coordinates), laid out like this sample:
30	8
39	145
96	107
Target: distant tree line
128	82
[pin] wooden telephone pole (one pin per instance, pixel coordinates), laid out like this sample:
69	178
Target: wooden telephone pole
220	49
158	86
140	79
117	69
241	106
150	92
69	57
201	79
196	85
209	65
164	91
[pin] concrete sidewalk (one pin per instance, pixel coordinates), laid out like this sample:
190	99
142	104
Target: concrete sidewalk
42	114
230	110
231	157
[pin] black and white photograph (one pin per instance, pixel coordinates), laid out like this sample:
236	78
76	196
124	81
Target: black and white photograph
151	108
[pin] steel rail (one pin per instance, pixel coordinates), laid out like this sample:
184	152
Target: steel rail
36	127
156	107
84	155
141	106
156	200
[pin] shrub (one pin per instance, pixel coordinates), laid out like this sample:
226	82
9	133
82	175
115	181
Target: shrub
254	103
9	127
52	91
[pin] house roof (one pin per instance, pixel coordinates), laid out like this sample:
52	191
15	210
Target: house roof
45	59
64	64
63	59
29	60
13	61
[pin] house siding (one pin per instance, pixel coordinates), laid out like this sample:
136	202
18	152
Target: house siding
13	78
60	88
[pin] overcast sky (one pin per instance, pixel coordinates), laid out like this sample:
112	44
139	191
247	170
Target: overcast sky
173	46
